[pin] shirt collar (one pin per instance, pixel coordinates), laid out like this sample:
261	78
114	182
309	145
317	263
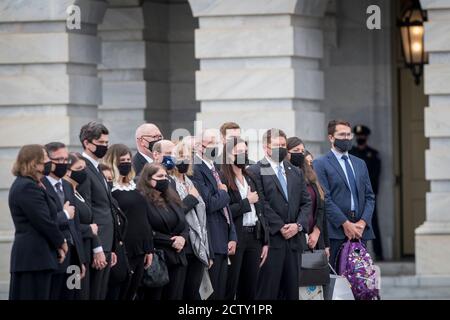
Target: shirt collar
275	165
209	164
149	160
94	162
53	181
338	154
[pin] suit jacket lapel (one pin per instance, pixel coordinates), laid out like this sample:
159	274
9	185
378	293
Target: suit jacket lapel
335	163
289	179
266	169
52	193
98	174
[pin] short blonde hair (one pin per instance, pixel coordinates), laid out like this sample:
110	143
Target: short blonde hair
183	150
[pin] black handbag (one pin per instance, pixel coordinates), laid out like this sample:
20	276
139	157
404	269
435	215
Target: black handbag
157	275
313	268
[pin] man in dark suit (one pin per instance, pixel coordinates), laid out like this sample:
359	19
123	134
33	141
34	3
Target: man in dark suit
95	191
147	135
220	225
372	159
287	206
61	192
349	199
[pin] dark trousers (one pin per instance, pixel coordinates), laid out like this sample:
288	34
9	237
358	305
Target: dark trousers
59	288
83	293
278	277
335	246
377	247
243	272
194	275
33	285
171	291
99	280
218	276
137	270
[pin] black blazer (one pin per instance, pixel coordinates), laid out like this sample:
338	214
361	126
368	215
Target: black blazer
321	223
69	228
220	233
90	240
162	232
138	162
278	210
98	197
37	236
240	206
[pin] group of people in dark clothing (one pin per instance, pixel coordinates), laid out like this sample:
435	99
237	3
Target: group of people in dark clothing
88	226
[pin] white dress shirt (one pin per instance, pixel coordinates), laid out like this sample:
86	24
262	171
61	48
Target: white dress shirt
341	161
95	163
275	166
250	218
149	160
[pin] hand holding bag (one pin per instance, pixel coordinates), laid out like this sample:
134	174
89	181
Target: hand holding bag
157	275
313	268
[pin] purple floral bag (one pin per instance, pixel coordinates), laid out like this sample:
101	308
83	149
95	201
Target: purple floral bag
357	266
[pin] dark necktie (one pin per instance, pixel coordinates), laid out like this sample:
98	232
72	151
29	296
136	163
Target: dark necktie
225	209
352	181
60	192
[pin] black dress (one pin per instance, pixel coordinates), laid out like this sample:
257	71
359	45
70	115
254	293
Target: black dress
139	237
168	222
90	241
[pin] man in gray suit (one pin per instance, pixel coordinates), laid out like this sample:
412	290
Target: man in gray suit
349	199
95	191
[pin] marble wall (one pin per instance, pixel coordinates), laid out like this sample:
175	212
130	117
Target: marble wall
433	237
48	84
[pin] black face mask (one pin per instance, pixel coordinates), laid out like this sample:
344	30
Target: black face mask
182	167
278	154
297	159
60	169
361	141
79	176
47	168
151	144
343	144
211	153
241	160
124	168
110	185
162	185
100	150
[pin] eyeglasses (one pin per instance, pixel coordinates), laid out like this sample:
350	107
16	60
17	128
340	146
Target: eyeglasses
154	137
344	135
60	160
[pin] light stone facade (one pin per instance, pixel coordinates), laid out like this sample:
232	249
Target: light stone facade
261	63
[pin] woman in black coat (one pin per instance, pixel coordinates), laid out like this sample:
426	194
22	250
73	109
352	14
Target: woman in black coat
318	230
170	230
247	209
76	175
138	237
38	244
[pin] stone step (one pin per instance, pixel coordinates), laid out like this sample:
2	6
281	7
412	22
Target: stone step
415	287
396	268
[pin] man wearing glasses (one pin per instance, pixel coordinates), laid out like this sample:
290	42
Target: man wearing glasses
147	135
349	200
62	194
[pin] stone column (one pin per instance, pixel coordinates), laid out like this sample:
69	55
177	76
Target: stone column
122	69
48	84
433	237
260	65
